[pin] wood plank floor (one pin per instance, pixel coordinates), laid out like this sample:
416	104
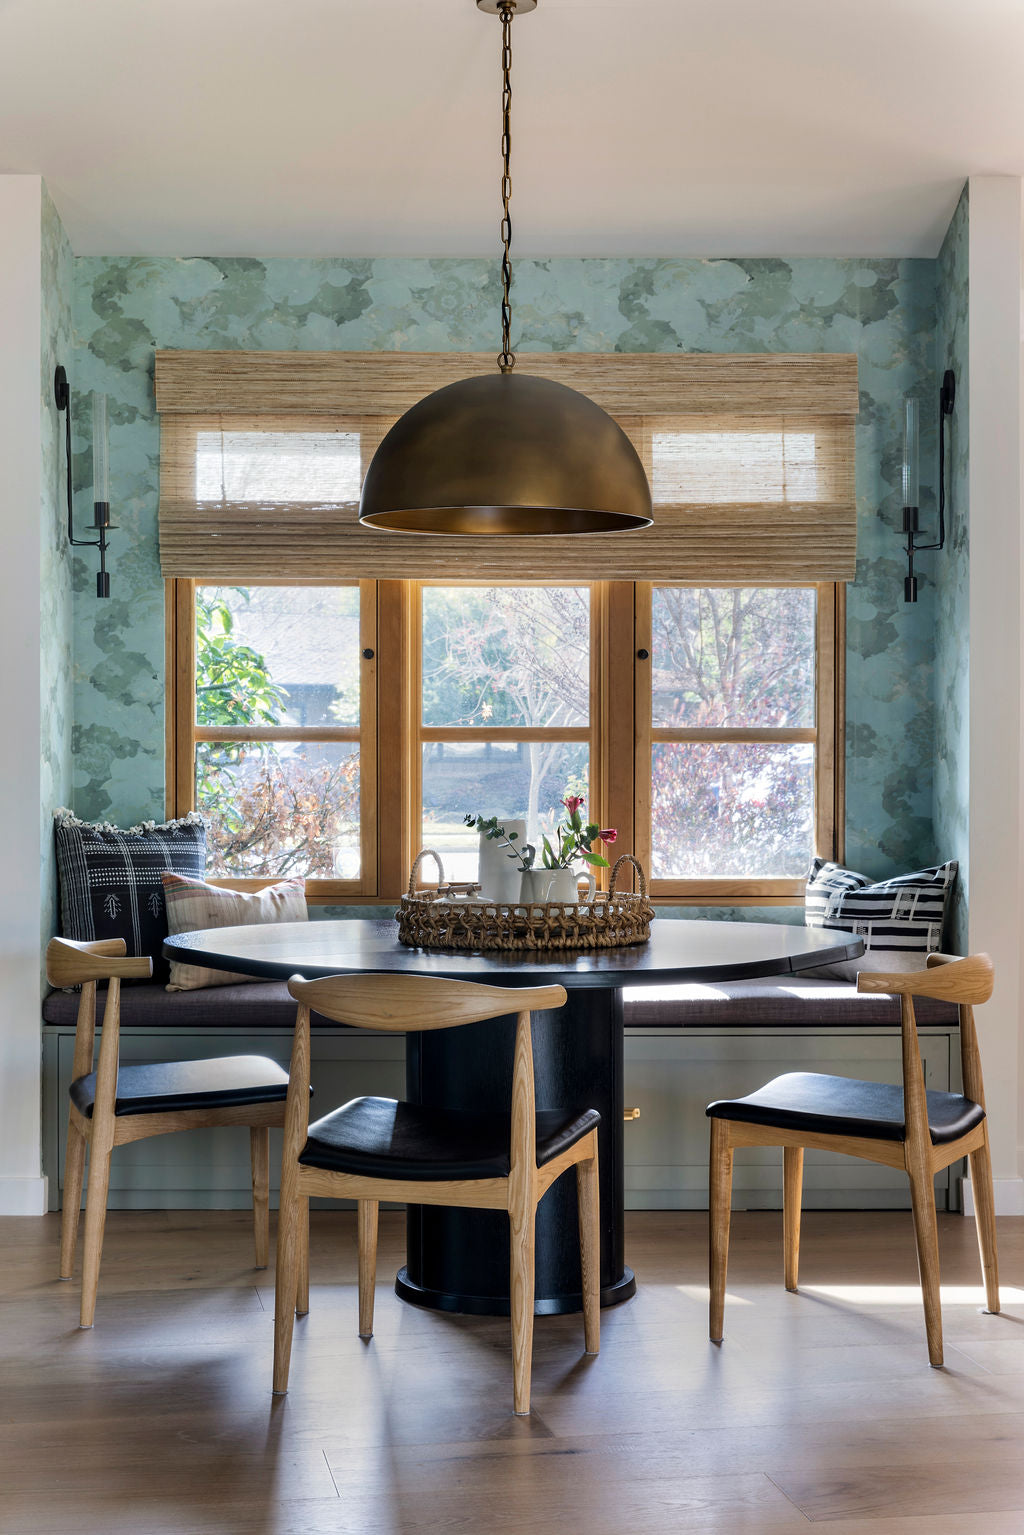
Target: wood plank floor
819	1407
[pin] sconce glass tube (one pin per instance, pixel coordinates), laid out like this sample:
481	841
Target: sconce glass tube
100	451
100	475
911	460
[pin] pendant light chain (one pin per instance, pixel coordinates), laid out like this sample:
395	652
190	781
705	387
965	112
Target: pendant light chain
506	360
505	452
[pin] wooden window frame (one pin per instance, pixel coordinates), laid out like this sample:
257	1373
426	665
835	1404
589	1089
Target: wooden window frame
183	734
826	736
619	734
593	734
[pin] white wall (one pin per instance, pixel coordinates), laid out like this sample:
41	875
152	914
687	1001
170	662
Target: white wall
996	922
22	1188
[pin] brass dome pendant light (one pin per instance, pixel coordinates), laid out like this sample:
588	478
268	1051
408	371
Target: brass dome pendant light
507	452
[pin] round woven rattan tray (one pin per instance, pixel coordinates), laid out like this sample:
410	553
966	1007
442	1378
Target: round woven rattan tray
434	919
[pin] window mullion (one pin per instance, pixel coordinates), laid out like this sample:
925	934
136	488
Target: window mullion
397	733
612	712
642	729
181	788
368	785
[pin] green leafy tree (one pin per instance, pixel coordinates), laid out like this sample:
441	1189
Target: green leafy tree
270	811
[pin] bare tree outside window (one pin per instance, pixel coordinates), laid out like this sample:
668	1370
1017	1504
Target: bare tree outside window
510	658
741	660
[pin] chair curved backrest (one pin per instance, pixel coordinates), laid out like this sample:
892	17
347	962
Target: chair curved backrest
948	978
73	963
414	1004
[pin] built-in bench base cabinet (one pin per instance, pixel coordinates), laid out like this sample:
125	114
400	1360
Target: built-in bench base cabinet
209	1169
670	1075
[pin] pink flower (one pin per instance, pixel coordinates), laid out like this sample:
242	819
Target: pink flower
572	802
609	836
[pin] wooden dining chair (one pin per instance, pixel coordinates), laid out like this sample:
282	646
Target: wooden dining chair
116	1104
903	1126
377	1148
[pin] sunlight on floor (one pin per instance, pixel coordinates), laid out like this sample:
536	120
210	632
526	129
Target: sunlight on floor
875	1294
701	1293
910	1295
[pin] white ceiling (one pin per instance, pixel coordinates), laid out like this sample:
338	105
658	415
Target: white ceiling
642	127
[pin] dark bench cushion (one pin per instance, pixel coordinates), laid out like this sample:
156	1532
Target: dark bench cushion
227	1081
265	1005
785	1000
775	1001
382	1138
806	1100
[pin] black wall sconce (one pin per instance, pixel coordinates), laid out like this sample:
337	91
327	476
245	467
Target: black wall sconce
100	475
911	452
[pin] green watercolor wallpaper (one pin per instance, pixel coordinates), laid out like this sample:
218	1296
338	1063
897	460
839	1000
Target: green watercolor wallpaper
950	799
56	344
883	310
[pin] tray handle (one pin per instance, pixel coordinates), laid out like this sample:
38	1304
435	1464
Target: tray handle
426	852
628	858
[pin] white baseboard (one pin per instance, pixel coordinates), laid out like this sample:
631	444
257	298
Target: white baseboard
1009	1195
23	1196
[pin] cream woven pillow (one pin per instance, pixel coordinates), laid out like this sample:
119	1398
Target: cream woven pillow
192	903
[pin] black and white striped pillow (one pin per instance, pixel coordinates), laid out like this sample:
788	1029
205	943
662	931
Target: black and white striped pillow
110	879
901	920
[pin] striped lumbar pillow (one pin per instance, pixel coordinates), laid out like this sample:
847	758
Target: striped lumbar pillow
193	904
900	919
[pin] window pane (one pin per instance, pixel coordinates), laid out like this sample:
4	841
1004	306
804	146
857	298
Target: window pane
740	657
502	778
280	809
702	468
277	655
731	810
506	655
277	466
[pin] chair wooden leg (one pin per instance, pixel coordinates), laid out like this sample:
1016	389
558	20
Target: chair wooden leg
367	1221
95	1223
926	1231
985	1219
289	1236
302	1290
792	1195
74	1174
588	1204
719	1209
521	1290
259	1157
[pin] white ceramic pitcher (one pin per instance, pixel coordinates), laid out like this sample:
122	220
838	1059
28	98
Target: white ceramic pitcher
533	885
564	886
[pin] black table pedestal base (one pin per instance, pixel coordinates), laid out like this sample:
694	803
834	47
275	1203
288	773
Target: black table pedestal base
494	1305
458	1259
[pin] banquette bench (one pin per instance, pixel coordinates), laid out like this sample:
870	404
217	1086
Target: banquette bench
685	1045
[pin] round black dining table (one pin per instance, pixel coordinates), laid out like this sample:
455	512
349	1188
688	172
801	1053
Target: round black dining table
458	1259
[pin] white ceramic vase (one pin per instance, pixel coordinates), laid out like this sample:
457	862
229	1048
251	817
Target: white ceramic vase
564	886
499	874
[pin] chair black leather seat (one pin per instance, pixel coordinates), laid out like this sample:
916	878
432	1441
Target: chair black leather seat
803	1100
385	1138
207	1084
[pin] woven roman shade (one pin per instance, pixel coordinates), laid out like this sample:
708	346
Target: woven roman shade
751	462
